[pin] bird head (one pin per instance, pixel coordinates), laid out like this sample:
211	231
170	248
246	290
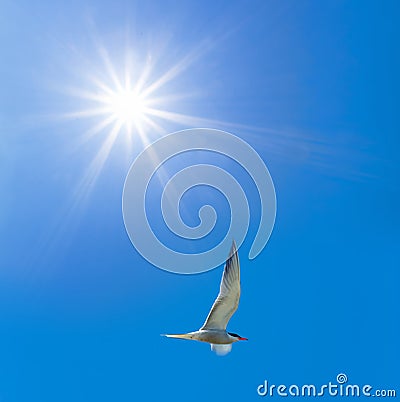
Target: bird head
238	337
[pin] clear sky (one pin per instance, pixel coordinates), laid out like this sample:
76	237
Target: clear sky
313	86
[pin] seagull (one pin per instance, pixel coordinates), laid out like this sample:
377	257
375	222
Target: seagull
214	330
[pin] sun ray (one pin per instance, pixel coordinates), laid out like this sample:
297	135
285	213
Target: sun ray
144	76
168	99
94	130
95	167
101	86
176	69
181	118
154	125
90	112
87	95
109	66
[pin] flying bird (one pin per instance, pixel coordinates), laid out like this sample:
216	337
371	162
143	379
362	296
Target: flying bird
214	330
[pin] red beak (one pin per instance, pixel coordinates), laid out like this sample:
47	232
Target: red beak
242	339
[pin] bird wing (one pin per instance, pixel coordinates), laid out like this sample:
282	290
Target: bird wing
227	300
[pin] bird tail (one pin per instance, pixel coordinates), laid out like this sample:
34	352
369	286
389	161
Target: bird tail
178	336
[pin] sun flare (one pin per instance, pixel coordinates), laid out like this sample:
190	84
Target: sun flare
130	99
127	106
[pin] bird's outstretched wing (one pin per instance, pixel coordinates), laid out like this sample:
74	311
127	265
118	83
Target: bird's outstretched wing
227	300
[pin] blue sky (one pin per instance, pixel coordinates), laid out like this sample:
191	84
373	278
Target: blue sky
312	86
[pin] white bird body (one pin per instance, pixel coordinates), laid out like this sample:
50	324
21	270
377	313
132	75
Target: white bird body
214	330
214	336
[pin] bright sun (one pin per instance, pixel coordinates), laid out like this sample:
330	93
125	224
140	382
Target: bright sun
127	101
127	106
